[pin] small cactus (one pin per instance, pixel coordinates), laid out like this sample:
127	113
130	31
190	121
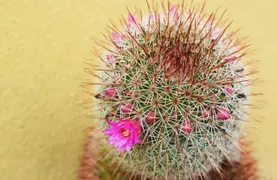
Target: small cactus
173	90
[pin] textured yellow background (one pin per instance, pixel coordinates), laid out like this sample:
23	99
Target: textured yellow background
42	43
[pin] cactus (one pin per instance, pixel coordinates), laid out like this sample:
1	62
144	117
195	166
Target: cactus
173	93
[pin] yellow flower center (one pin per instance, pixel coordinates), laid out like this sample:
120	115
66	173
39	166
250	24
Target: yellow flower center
126	133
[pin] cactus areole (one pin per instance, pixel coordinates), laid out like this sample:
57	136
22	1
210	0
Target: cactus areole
173	92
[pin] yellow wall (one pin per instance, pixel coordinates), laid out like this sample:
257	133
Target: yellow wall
42	43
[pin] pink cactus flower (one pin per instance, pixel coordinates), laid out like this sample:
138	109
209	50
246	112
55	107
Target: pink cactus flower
123	134
150	118
132	21
187	127
110	92
173	12
173	9
110	58
229	90
223	113
130	18
206	114
127	108
116	38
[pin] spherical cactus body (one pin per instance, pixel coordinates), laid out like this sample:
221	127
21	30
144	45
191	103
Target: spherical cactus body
173	91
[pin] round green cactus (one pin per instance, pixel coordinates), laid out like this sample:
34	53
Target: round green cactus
173	93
